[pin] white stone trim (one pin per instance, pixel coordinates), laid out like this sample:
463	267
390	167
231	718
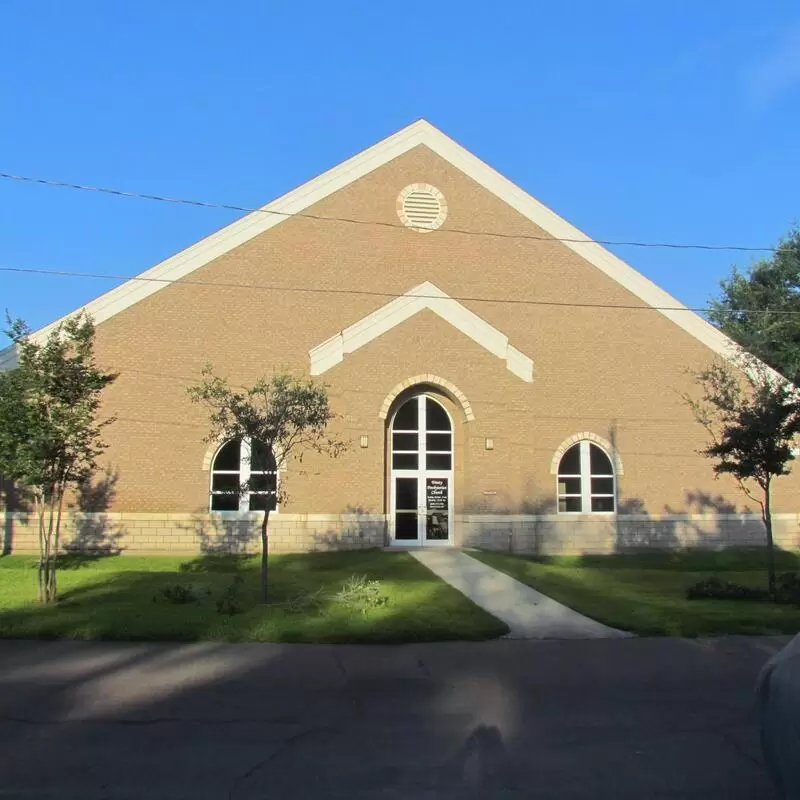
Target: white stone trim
425	296
589	437
450	388
418	133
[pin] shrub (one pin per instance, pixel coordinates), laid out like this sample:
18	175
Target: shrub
716	589
361	593
179	594
231	601
788	589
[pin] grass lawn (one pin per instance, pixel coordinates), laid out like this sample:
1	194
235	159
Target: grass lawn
121	597
646	594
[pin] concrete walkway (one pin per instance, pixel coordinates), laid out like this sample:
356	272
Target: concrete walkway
528	613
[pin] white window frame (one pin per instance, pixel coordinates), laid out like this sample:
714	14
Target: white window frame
243	474
585	477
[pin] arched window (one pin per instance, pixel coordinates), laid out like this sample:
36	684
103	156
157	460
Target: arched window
586	482
244	477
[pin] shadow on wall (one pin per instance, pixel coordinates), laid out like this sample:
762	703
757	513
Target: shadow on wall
12	501
95	534
217	535
718	531
632	528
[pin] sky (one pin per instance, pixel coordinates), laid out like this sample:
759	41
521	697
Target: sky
664	121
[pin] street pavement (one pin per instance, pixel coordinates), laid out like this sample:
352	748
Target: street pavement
605	718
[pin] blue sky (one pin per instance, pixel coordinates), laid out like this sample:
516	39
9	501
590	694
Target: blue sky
661	121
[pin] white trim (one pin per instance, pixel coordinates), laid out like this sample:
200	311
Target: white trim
418	133
611	451
421	474
425	296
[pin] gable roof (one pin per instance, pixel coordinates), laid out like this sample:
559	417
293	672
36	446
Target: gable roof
425	296
418	133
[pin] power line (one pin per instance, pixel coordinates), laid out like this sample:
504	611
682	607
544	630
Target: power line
368	292
353	221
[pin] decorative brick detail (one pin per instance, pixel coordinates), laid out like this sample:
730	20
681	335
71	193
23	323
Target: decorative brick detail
591	437
456	395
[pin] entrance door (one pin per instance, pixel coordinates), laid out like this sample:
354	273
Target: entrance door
422	473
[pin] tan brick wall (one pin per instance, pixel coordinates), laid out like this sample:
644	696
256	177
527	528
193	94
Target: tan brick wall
617	373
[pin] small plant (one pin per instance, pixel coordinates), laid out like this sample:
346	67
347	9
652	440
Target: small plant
179	594
361	593
231	601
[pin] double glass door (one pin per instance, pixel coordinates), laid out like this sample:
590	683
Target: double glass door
422	473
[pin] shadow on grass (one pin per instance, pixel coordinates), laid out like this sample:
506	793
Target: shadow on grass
741	559
129	603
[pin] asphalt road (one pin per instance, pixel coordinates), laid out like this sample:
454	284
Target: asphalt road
638	718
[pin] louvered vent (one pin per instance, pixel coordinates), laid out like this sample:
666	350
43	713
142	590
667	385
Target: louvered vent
422	207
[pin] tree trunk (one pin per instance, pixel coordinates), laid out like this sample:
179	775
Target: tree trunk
43	554
264	556
767	516
56	544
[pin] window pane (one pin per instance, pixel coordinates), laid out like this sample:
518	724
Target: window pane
405	441
569	485
602	486
569	504
436	527
407	418
228	456
222	482
439	441
602	504
571	461
601	463
261	459
436	416
406	525
265	482
405	493
224	502
439	460
405	461
260	502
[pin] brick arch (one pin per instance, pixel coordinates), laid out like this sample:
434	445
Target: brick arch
211	451
456	395
591	437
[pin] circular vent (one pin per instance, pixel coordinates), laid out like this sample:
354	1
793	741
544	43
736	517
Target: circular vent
422	207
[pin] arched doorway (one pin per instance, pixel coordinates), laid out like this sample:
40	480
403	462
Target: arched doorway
421	452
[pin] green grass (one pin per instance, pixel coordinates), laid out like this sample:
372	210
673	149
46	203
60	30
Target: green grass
646	594
113	598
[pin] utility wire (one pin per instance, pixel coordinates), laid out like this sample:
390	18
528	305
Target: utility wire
353	221
368	292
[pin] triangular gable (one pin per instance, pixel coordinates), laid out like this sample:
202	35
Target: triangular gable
332	351
418	133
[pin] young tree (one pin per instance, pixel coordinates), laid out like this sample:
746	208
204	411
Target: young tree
50	437
752	418
753	306
283	415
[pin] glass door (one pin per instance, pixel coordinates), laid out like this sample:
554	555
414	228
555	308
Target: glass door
422	473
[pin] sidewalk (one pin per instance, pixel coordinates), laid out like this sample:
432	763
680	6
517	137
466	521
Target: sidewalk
528	613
